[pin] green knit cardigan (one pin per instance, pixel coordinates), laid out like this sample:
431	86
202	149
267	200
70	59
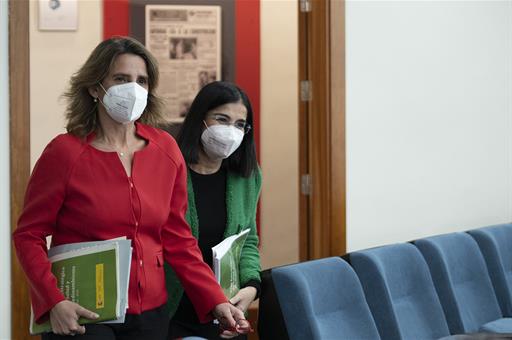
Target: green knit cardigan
241	202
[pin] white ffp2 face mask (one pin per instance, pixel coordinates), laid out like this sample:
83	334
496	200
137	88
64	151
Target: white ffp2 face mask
125	103
220	141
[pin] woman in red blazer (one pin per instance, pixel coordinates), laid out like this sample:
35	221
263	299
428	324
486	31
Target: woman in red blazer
114	174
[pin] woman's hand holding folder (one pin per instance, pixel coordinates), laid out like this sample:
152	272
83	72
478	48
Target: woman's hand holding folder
64	318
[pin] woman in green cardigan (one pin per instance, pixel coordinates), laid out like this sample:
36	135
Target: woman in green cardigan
224	182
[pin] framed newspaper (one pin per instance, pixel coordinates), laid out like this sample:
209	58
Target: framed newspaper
186	41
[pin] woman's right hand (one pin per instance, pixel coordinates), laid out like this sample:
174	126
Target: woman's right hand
228	316
64	318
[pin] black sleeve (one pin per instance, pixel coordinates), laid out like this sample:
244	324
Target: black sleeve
256	284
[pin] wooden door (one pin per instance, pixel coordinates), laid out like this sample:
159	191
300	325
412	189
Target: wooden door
322	128
19	92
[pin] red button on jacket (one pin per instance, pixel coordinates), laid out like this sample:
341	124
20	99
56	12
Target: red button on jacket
77	193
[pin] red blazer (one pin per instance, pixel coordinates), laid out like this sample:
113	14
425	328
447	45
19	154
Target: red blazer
78	193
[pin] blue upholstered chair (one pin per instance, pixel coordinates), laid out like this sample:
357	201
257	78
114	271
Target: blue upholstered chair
323	299
495	243
463	284
400	292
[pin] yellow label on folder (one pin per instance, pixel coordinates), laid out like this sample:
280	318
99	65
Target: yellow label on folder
100	287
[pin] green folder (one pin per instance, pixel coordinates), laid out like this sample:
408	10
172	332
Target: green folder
226	261
89	277
125	260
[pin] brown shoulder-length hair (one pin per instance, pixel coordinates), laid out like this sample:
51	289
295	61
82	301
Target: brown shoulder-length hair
82	111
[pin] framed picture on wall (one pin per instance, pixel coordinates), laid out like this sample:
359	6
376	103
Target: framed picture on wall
58	15
186	40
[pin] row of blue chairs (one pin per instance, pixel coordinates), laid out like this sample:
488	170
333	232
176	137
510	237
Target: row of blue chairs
443	286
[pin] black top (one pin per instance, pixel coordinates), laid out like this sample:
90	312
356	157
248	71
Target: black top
210	200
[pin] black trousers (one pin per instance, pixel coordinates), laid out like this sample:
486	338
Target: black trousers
150	325
179	330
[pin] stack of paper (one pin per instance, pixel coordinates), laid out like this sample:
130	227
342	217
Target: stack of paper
226	260
94	275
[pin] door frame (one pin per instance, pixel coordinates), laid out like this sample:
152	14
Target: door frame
322	156
19	113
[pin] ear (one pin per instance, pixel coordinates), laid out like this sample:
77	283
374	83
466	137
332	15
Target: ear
94	91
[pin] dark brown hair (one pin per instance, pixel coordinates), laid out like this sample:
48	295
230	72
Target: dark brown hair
243	161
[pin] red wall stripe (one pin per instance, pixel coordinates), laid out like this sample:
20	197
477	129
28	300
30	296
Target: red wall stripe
247	55
247	58
116	18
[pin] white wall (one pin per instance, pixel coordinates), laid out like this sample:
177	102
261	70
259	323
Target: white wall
54	57
5	209
429	118
279	133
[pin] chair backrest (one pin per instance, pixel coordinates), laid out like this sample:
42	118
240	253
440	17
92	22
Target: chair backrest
495	242
400	292
461	280
323	299
271	323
